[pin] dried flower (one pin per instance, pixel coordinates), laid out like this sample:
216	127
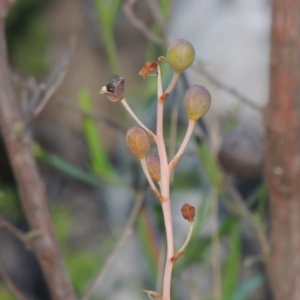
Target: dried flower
115	89
150	67
188	212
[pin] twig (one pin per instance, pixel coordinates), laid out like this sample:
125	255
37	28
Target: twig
125	234
18	234
109	122
127	7
158	16
228	89
46	90
11	286
30	186
140	25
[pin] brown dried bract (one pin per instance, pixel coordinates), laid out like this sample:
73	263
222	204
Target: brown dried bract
188	212
163	97
176	256
150	67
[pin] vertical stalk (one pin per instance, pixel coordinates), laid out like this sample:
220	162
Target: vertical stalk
282	168
165	190
30	186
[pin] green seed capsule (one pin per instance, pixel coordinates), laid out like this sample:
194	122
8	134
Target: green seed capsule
180	55
153	164
138	142
197	101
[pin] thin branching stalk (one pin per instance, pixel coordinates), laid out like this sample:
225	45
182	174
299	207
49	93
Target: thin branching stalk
185	141
187	238
146	171
130	111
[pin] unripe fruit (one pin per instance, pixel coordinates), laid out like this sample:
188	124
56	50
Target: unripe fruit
197	101
180	55
138	142
153	164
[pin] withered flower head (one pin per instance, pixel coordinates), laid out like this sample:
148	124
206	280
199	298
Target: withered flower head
150	66
115	89
188	212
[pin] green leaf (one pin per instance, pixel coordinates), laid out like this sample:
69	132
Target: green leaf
232	265
10	205
247	287
100	163
210	166
107	12
146	235
65	167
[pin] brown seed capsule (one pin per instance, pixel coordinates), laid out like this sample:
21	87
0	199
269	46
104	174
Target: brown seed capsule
197	101
188	212
115	89
153	165
138	142
180	55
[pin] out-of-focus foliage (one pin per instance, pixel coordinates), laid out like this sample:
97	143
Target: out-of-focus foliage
27	36
27	46
99	162
9	203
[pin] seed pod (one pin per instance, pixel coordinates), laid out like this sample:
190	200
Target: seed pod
188	212
197	101
153	164
115	89
180	55
138	142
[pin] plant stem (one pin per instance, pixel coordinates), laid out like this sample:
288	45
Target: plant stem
30	185
183	145
146	171
165	190
187	238
173	82
127	107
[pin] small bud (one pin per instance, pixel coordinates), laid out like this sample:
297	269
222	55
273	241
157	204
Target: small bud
180	55
115	89
197	101
188	212
138	142
153	165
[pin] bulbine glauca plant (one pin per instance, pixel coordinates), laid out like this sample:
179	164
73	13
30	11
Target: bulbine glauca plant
156	166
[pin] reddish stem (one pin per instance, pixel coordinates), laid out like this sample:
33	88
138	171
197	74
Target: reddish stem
165	190
30	186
